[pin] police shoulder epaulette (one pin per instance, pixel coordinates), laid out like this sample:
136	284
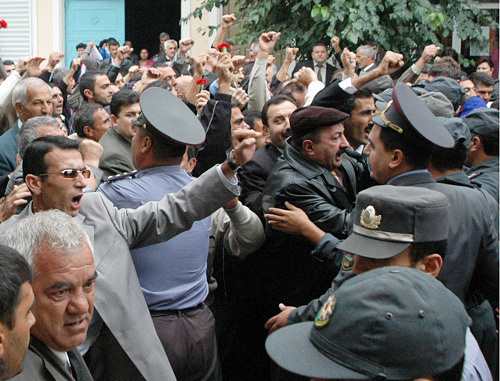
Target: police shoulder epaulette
120	176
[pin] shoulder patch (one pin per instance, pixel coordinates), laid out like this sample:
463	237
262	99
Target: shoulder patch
348	262
121	176
326	311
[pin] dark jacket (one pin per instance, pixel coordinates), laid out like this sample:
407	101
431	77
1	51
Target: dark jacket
283	269
254	174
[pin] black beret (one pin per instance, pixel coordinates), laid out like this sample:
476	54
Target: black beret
308	119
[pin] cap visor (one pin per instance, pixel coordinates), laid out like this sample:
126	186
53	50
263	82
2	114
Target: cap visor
377	119
292	350
381	105
372	248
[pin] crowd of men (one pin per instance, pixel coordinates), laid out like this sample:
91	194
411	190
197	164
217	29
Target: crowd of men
212	217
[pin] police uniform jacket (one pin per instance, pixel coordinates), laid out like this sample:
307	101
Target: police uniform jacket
41	364
486	174
118	296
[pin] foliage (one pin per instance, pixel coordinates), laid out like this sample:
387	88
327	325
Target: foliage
404	26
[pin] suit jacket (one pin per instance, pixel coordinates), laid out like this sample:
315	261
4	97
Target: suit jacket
330	70
118	297
8	150
41	364
117	155
254	174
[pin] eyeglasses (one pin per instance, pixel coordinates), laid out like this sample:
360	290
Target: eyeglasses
70	173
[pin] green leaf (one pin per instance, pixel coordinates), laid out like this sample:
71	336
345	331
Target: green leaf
325	13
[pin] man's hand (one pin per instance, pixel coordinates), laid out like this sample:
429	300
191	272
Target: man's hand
22	64
9	204
91	152
240	97
291	54
90	45
122	53
429	52
280	320
390	63
133	70
224	68
291	221
294	221
244	144
202	99
54	59
33	69
267	41
75	64
305	76
228	21
349	62
200	61
239	61
185	44
335	43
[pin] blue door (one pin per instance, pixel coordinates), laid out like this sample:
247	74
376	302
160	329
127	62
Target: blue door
88	20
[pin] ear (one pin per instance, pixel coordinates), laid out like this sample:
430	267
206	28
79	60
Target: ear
265	130
475	144
308	148
34	184
398	158
2	341
88	93
88	131
191	164
147	144
113	120
431	264
19	108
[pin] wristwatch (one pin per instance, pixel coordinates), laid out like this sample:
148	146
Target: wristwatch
229	159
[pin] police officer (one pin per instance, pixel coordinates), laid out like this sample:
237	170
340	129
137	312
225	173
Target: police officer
483	154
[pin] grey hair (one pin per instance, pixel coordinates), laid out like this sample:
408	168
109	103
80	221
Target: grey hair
170	42
367	50
59	73
52	228
29	131
20	92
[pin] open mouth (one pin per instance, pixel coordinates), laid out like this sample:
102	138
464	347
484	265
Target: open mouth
75	201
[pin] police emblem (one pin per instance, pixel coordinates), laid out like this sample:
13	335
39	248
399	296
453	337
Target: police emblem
323	316
369	218
347	262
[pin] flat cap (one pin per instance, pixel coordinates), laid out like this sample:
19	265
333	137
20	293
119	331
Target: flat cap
458	129
449	87
308	119
388	219
168	115
438	104
483	121
407	113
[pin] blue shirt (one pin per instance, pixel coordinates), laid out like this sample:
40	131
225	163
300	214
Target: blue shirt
172	274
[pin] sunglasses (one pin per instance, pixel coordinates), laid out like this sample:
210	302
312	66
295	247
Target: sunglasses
70	173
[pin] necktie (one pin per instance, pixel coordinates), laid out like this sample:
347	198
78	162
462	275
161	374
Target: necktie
320	77
75	366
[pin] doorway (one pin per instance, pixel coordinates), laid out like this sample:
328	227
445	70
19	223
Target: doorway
146	19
